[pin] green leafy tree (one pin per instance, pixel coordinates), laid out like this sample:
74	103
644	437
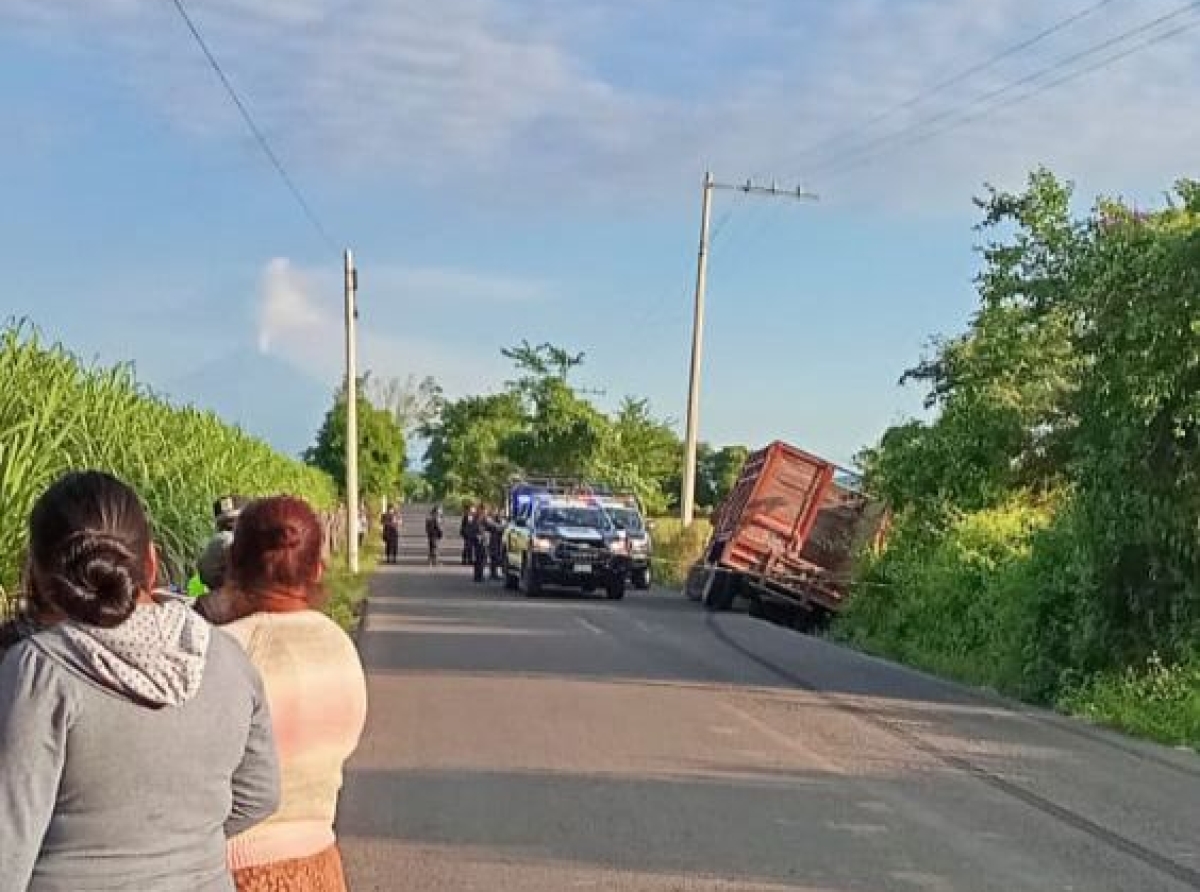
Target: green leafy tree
381	447
541	424
1066	447
642	454
465	457
717	471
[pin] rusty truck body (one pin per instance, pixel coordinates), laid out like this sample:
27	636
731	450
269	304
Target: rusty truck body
787	536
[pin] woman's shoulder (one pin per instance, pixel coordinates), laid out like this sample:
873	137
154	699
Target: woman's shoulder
30	665
226	652
301	630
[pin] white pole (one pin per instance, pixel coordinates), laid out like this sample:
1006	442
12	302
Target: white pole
351	416
688	496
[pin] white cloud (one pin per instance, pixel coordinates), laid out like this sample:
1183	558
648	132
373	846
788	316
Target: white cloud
288	316
629	101
300	320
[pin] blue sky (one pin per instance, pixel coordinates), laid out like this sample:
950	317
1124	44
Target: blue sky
512	169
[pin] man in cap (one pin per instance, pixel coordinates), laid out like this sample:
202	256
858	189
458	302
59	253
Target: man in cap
214	559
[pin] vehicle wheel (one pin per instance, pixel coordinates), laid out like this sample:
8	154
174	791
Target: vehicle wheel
530	584
615	588
720	593
641	579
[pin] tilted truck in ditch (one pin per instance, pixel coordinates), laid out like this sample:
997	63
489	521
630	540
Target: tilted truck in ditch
786	538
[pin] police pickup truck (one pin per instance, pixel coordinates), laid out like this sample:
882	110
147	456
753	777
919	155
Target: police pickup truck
564	540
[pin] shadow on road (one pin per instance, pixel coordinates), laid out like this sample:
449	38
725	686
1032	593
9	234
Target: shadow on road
750	829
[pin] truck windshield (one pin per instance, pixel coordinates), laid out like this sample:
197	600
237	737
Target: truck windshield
572	517
627	519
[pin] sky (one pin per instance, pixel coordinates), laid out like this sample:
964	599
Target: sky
510	170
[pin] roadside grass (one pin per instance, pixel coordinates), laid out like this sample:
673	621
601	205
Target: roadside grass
1158	701
347	591
676	548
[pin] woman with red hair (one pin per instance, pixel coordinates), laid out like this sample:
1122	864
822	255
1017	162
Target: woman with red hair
314	685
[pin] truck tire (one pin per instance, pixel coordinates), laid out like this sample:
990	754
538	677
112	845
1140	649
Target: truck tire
530	584
615	588
693	586
720	593
641	579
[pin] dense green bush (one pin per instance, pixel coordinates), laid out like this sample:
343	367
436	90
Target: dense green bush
59	414
956	603
1047	535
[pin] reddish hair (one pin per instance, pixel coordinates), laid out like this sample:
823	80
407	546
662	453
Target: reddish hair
277	547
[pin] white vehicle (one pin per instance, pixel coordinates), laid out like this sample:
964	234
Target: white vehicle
627	515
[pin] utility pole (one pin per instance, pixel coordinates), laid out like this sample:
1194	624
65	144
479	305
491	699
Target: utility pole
688	499
691	443
351	282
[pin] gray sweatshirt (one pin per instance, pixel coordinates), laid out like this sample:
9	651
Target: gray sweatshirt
128	755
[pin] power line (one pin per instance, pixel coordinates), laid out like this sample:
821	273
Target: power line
259	136
859	159
953	80
867	149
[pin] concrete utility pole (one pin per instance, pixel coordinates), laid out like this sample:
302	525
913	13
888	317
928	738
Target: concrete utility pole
351	280
688	497
691	443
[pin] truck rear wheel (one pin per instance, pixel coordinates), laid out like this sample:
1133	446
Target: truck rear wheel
720	593
615	588
641	578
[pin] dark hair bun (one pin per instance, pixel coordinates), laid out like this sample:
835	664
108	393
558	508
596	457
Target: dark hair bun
97	580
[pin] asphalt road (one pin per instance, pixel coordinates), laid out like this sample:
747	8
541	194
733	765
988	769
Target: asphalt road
565	743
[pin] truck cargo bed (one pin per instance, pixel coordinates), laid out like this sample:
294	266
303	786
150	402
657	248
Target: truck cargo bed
788	532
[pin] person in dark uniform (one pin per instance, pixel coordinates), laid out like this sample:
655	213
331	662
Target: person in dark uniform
390	522
464	531
434	533
477	540
495	543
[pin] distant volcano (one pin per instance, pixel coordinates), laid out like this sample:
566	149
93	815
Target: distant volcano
264	395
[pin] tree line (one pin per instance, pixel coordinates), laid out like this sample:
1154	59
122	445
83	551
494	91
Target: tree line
538	423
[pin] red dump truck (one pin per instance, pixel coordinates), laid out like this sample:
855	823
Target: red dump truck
786	538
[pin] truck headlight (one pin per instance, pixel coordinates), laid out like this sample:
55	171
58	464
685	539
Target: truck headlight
541	543
619	546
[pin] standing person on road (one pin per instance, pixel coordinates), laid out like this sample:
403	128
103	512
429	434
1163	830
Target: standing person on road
315	686
390	522
97	707
495	543
477	541
464	530
434	533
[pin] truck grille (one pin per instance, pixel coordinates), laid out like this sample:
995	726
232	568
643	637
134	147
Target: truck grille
579	552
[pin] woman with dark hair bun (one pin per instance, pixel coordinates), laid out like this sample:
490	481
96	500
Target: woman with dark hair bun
314	683
97	705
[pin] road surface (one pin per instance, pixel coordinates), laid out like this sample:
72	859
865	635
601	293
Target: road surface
559	743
